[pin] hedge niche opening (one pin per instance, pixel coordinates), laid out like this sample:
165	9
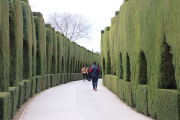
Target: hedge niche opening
142	69
121	67
167	72
103	65
62	65
109	64
128	69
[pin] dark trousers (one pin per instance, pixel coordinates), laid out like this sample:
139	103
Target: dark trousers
94	81
84	76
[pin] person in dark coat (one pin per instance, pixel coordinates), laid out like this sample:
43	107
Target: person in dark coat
94	70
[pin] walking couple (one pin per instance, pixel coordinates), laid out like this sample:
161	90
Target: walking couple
86	73
94	70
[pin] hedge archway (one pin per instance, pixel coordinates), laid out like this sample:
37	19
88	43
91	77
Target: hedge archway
167	72
128	69
142	79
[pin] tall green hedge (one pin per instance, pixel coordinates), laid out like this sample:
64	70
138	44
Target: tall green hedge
5	106
41	46
27	41
14	103
4	46
16	42
168	102
34	46
34	56
49	47
142	48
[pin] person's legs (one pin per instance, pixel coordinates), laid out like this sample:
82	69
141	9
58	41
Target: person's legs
84	75
93	84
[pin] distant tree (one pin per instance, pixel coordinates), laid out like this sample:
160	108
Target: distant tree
74	26
98	53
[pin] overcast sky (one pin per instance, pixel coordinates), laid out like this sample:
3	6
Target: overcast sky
98	12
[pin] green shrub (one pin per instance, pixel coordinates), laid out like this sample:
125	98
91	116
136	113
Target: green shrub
52	80
27	84
168	103
14	95
129	94
38	83
121	90
21	94
65	78
115	84
41	46
33	86
54	54
27	41
48	81
142	99
4	46
34	47
58	79
5	106
16	42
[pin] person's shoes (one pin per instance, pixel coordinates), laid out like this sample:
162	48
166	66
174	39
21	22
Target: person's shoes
95	88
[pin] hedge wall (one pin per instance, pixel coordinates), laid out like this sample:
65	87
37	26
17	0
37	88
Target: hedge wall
16	42
34	56
4	46
14	103
168	102
142	100
5	105
141	47
27	41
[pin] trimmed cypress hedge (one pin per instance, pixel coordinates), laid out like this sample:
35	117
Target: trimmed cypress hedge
48	81
34	46
4	46
142	99
14	95
58	79
5	106
168	102
27	88
141	47
21	95
27	41
38	83
129	94
121	90
34	58
16	42
115	84
41	45
33	86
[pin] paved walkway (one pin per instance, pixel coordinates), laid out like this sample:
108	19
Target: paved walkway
77	101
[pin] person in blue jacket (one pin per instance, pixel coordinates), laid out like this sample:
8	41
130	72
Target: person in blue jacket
94	75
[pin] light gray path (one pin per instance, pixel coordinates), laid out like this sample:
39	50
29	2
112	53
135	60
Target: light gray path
77	101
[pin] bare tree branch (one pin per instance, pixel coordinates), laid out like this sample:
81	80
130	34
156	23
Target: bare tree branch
74	26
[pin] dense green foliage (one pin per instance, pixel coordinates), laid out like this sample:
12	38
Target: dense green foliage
14	94
16	42
141	47
34	56
4	46
168	103
5	105
27	41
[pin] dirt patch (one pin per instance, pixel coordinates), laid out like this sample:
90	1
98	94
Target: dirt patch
23	106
